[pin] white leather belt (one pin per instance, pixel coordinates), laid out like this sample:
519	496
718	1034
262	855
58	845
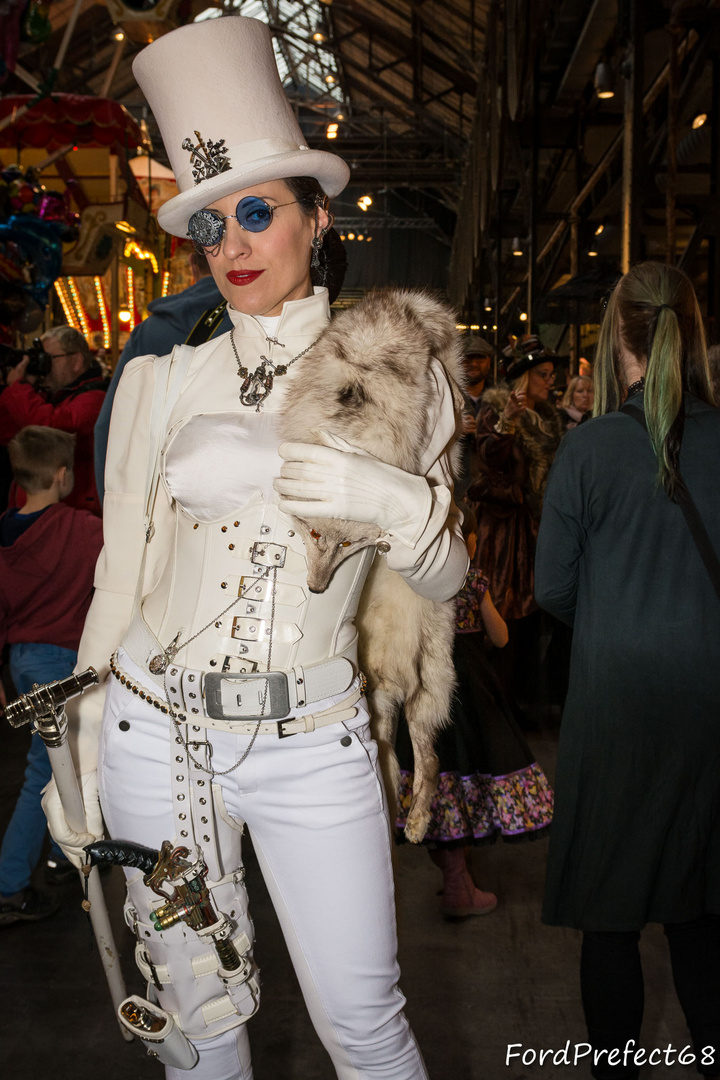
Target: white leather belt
241	725
220	691
266	695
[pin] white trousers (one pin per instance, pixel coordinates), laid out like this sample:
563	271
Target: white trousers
315	806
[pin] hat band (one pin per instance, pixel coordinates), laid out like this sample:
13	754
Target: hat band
241	157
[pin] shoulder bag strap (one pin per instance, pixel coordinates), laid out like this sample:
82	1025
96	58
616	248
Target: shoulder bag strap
169	379
692	516
206	325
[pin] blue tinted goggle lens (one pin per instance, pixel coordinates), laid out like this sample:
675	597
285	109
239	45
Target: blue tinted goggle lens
253	214
206	227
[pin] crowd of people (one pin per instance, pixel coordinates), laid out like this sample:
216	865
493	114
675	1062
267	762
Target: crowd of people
230	691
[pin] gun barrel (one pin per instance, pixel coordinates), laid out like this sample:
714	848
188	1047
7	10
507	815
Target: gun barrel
44	701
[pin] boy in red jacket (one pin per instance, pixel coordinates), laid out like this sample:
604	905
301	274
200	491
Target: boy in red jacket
48	552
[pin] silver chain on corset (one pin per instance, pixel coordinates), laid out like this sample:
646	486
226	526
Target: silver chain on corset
270	571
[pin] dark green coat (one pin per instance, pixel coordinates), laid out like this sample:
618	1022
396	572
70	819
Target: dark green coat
636	832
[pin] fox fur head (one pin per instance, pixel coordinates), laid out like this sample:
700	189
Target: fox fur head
328	542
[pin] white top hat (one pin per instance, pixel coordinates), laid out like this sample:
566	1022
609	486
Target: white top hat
216	95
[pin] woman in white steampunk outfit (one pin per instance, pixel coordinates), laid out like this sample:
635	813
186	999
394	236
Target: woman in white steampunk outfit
188	750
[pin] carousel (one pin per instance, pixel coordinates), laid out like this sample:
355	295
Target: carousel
79	241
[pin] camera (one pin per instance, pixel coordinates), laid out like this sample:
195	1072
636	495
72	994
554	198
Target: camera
40	361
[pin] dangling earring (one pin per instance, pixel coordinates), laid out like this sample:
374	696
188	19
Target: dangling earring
319	238
317	241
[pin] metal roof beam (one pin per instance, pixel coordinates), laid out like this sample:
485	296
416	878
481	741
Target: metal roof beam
409	48
411	108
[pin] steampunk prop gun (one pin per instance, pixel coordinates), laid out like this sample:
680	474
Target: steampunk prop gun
44	708
181	881
190	900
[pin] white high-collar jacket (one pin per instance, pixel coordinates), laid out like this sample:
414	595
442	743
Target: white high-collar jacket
216	501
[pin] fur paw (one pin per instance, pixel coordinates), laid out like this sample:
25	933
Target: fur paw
417	822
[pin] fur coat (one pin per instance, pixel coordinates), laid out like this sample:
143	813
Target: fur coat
510	476
537	434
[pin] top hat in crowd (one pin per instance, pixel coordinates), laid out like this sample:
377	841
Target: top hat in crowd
215	92
474	345
526	353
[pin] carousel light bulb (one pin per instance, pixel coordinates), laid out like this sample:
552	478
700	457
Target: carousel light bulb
351	236
523	316
124	316
330	79
119	35
699	120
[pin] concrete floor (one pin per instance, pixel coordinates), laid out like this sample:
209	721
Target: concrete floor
474	986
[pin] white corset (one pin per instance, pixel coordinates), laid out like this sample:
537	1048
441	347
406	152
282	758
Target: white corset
218	463
256	552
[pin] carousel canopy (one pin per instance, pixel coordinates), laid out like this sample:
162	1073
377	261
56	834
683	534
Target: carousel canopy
61	119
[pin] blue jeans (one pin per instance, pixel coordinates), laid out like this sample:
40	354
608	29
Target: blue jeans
25	834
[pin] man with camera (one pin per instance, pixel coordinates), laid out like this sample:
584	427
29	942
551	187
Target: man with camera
58	384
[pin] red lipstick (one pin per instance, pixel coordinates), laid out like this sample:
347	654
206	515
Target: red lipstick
243	277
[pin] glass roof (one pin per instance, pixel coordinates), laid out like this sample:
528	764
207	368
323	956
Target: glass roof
308	67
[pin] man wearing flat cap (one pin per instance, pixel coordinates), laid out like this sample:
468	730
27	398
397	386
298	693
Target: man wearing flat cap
477	364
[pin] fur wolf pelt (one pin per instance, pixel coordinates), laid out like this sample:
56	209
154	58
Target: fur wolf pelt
369	382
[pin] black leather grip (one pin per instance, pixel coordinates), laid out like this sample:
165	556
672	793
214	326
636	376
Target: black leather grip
122	853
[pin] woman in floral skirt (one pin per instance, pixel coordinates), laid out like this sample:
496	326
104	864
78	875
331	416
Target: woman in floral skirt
490	786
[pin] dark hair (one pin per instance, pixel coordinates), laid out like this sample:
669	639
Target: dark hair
333	257
653	313
36	453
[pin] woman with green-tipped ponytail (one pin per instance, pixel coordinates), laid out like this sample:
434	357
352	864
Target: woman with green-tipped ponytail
636	831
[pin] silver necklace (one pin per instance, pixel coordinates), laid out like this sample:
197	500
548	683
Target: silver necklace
256	387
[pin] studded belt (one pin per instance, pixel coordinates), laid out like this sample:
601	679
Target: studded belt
198	713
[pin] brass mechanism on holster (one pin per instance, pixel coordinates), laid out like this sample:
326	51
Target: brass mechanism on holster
190	902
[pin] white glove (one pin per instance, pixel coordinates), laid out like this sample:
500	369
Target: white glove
345	483
71	842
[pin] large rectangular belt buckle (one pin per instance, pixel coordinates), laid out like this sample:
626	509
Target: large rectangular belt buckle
239	695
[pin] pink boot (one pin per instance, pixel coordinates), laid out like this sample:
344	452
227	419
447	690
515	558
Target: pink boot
460	896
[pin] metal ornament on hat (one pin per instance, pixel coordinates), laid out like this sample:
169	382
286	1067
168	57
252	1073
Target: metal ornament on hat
208	159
